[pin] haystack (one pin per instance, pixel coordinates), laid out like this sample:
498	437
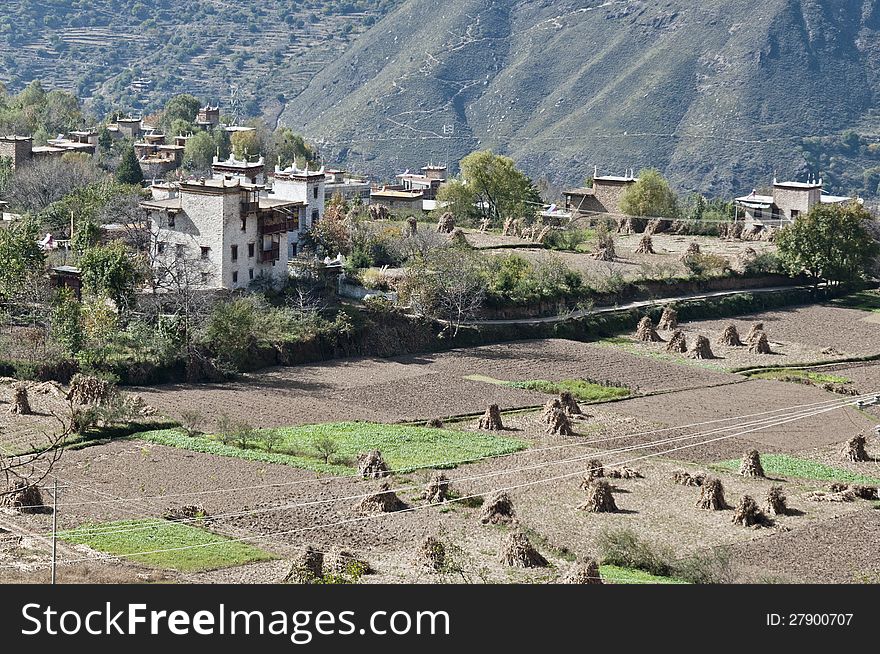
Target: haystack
753	331
437	489
89	390
491	420
569	404
683	478
187	513
730	337
855	451
600	499
585	572
510	227
457	237
701	349
677	343
751	465
412	225
692	250
550	407
777	503
340	562
606	250
859	490
379	212
22	497
712	495
517	551
822	496
624	473
306	567
595	470
747	513
645	331
432	553
497	510
646	245
760	344
559	424
371	465
668	319
382	501
446	224
20	406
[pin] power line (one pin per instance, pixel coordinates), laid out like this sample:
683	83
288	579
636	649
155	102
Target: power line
459	499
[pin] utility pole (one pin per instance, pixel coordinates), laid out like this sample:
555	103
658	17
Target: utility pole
54	528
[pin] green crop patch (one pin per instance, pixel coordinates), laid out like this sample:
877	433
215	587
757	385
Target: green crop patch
164	544
794	375
582	390
333	448
790	466
613	574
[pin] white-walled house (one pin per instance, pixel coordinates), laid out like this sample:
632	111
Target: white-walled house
305	186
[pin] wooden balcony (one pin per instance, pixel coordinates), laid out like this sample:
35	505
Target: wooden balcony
271	256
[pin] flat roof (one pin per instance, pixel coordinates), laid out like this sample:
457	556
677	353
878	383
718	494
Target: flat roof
403	195
802	185
162	205
614	178
277	203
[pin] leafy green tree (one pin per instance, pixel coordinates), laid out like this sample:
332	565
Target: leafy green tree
183	107
129	170
649	196
494	186
86	235
222	143
199	152
831	243
111	270
66	321
20	255
289	147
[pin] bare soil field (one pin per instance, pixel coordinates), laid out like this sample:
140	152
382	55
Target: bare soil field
755	396
418	387
281	508
798	336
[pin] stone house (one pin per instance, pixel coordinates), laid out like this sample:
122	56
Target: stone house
232	231
787	201
427	183
339	183
603	198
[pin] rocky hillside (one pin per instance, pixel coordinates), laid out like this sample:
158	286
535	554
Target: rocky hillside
718	95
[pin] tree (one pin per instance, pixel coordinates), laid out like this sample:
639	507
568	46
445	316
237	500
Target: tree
66	322
113	271
649	196
199	152
326	447
289	147
449	285
492	187
129	170
35	187
831	243
246	144
20	256
182	107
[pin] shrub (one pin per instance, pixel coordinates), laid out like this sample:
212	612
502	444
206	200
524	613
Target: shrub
623	548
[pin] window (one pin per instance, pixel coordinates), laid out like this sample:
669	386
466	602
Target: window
315	216
181	250
171	221
205	278
234	252
251	273
244	223
235	277
794	214
315	192
160	247
250	250
206	252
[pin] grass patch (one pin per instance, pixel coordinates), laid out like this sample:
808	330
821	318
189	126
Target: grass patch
404	447
613	574
208	551
790	466
582	390
486	380
863	300
789	374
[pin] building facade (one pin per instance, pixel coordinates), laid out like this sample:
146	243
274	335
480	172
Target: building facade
787	201
603	198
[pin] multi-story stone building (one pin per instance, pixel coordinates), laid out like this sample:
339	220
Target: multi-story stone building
21	150
787	201
339	183
234	230
427	183
603	198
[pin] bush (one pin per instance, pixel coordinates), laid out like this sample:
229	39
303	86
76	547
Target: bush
622	548
709	567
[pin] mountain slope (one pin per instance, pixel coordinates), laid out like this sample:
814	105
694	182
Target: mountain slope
718	95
